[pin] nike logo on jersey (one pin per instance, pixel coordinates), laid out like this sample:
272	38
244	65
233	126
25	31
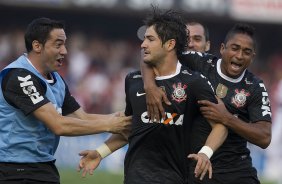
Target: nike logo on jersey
29	89
248	82
140	94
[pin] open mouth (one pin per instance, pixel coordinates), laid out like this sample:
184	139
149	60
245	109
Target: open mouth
236	66
60	61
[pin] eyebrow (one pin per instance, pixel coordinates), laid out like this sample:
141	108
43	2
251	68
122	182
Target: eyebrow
197	36
149	36
59	40
234	44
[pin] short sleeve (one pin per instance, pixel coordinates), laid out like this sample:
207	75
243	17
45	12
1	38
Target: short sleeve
259	105
24	90
70	104
203	89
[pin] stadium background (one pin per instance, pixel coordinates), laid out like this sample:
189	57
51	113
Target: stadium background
103	47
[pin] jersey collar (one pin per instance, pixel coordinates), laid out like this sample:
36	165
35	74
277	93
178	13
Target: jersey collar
177	71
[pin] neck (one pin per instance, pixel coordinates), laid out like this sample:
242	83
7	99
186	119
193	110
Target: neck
167	67
36	65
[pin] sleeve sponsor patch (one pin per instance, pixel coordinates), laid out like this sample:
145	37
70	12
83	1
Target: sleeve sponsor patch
29	89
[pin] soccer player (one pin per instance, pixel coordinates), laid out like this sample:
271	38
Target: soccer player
198	40
198	37
246	112
156	152
36	107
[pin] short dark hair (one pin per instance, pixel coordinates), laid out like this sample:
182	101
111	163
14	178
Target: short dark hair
241	28
206	30
39	29
169	25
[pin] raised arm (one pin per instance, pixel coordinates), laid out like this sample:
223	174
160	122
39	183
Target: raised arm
154	95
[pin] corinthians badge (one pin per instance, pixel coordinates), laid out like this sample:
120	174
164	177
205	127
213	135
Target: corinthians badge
179	94
221	90
240	98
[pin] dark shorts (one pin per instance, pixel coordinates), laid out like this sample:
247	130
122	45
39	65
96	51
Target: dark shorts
27	181
29	173
240	177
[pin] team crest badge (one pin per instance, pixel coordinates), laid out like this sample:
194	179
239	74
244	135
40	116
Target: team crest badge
221	90
240	98
179	93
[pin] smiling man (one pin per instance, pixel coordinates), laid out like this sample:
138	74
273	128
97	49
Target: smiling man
246	110
36	108
198	37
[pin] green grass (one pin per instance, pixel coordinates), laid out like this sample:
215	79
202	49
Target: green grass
71	176
268	182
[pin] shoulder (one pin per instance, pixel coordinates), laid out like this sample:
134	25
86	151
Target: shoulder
200	54
254	84
18	71
205	55
252	80
197	60
135	75
20	74
186	71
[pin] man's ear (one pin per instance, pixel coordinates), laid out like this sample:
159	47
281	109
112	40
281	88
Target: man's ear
208	46
36	46
170	44
222	48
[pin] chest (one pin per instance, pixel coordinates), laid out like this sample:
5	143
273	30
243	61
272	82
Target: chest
178	93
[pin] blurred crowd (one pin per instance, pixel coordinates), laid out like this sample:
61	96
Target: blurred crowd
95	70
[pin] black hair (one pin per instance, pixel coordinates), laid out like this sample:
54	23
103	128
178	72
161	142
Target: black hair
241	28
39	29
169	25
206	30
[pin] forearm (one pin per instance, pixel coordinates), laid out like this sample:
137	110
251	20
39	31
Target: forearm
68	126
217	136
115	142
111	145
258	133
148	75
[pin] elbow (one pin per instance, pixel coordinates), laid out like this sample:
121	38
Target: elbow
265	141
59	131
60	127
265	135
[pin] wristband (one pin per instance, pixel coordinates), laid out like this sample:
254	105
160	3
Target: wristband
207	151
103	150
